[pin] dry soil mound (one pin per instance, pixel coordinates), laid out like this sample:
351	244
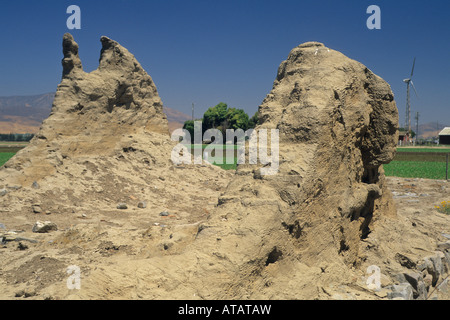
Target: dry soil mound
189	232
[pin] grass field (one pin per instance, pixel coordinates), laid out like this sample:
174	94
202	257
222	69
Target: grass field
427	163
416	169
228	163
418	162
5	156
424	149
9	149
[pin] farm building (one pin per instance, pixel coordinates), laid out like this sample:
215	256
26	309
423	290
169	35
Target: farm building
401	136
444	136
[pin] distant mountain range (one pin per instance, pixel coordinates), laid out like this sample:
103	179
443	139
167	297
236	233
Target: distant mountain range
176	118
430	129
24	114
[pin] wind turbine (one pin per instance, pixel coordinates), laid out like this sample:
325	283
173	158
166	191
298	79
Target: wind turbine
408	99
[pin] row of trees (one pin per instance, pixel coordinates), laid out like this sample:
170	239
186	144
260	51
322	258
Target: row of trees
222	118
19	137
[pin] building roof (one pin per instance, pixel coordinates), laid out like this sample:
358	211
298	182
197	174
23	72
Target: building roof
445	132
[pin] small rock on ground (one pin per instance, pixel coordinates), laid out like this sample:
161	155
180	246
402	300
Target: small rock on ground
122	206
142	204
37	209
44	227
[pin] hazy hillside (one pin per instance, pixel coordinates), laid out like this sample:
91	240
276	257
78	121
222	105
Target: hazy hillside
24	114
430	129
176	118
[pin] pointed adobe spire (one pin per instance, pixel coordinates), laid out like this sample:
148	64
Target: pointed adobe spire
71	62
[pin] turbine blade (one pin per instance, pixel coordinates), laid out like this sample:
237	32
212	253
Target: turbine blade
412	83
414	64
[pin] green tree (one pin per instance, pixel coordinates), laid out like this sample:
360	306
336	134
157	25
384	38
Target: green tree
214	116
237	119
253	121
222	118
189	126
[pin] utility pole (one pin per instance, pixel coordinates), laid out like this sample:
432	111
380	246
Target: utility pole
417	126
437	129
192	111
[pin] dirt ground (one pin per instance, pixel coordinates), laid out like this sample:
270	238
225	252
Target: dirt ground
35	265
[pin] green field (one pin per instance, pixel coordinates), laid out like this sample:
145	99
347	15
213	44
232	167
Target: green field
5	156
425	149
417	162
428	163
9	149
228	163
416	169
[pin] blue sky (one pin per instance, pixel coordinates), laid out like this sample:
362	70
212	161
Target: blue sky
229	51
